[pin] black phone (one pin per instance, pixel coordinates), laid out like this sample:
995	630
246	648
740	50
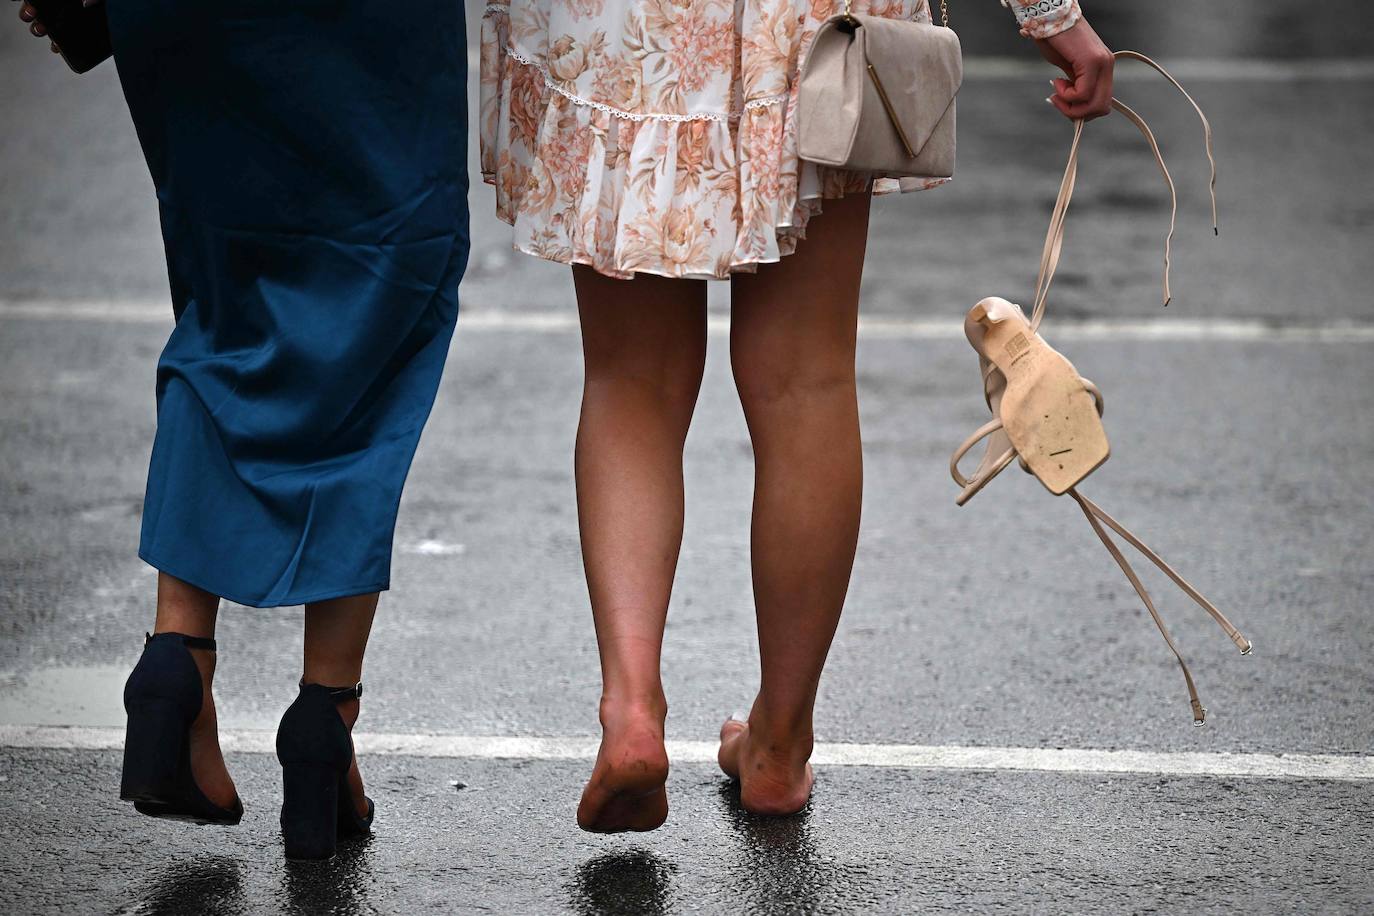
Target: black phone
81	32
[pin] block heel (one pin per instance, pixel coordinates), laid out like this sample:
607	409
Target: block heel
163	697
310	810
150	774
315	750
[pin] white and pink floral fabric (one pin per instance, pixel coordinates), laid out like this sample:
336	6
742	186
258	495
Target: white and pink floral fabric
656	136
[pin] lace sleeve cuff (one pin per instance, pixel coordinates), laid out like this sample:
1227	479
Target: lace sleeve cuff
1044	18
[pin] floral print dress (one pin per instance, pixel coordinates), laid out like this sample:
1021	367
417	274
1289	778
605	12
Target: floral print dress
657	136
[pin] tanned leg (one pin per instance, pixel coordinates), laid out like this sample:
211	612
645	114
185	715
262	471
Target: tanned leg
792	339
644	348
336	634
183	608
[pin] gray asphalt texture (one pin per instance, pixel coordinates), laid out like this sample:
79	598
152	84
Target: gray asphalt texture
1247	464
897	842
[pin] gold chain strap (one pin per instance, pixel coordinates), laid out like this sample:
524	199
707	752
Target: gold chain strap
944	12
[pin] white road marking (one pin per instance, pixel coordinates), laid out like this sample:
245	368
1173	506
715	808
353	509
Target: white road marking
901	756
1163	328
432	548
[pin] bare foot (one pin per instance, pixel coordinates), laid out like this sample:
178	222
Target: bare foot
627	789
207	760
774	774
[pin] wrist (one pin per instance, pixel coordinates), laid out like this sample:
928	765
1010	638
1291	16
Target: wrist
1044	18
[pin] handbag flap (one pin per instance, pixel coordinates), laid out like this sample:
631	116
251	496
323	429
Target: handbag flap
921	68
830	95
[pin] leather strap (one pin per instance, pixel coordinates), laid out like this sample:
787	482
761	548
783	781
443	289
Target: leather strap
1054	236
190	642
1094	514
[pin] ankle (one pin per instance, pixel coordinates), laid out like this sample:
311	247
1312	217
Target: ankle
349	710
785	739
643	709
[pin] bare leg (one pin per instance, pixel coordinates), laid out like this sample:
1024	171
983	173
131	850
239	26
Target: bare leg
336	634
183	608
792	339
644	346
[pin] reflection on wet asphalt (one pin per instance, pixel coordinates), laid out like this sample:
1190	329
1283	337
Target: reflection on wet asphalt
189	887
635	881
339	886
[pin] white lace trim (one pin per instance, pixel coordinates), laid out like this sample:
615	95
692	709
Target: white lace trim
611	110
495	8
1025	10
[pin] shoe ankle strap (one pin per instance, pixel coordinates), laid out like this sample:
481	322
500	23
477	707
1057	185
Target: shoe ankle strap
338	694
190	642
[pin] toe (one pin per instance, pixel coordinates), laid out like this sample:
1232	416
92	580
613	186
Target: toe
731	740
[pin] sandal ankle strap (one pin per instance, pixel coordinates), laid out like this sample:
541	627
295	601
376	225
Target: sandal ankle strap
338	694
190	642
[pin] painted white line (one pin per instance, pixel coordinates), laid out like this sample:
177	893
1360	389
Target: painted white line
901	756
1163	328
142	311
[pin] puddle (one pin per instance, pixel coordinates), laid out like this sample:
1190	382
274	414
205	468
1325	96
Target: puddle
64	696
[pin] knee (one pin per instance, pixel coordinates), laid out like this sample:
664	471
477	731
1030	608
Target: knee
668	379
792	384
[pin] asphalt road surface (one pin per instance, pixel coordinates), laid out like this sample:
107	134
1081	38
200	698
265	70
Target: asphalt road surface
1005	730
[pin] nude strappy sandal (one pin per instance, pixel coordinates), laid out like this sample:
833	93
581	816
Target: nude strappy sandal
1048	417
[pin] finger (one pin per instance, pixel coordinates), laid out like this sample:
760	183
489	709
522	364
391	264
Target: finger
1097	103
1084	84
1086	111
1061	106
37	29
27	13
52	46
1102	99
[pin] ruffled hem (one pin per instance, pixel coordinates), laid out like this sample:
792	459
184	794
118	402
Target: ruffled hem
698	195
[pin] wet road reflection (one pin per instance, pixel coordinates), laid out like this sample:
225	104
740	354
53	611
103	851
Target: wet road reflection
630	882
339	886
781	869
188	888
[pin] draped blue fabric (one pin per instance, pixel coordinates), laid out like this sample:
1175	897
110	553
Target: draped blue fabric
309	158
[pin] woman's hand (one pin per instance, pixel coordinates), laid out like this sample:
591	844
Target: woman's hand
30	15
1087	93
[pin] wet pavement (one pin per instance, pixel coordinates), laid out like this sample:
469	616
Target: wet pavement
1243	459
898	842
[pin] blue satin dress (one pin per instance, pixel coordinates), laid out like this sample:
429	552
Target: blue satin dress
309	158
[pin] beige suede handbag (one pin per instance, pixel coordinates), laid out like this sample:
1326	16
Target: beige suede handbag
877	95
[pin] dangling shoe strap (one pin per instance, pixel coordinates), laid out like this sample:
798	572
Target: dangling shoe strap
1096	517
1054	236
339	694
190	642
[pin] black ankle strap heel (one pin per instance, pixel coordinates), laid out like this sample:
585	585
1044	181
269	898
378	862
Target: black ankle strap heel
162	697
315	749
